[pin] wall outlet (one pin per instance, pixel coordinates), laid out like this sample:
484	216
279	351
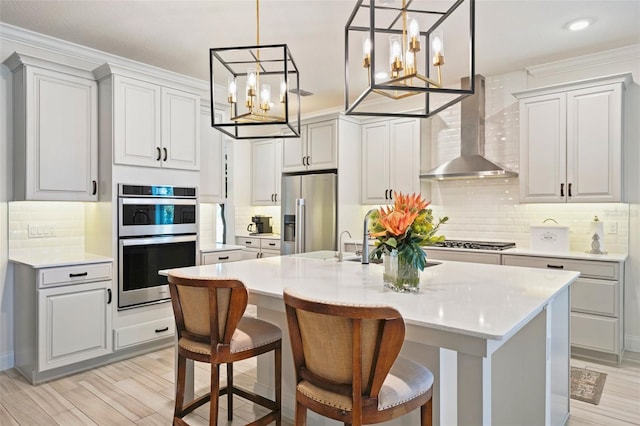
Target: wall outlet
612	227
41	231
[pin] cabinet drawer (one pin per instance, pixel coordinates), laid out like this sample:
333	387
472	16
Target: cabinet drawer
221	257
144	332
268	244
595	296
594	332
248	242
464	256
49	277
587	268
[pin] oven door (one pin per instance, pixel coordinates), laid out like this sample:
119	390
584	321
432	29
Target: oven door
156	216
139	261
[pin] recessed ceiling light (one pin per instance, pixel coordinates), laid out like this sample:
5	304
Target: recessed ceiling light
578	24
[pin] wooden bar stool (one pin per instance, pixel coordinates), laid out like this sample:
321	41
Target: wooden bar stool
211	328
347	365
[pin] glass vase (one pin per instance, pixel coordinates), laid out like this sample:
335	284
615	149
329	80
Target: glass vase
400	275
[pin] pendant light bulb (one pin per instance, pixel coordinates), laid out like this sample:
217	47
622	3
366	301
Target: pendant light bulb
366	52
265	97
395	55
232	90
283	90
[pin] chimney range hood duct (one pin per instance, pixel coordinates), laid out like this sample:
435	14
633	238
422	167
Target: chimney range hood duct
471	162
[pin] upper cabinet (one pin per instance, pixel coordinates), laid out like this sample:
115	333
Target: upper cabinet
266	172
390	159
571	139
151	124
55	113
212	163
315	149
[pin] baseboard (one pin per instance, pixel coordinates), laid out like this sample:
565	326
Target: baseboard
6	361
631	343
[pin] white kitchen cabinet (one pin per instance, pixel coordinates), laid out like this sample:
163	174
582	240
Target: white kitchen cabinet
571	139
55	112
597	318
220	256
259	247
150	124
212	163
266	172
390	159
315	149
62	316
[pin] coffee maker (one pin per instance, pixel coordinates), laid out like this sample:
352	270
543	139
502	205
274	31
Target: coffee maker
261	224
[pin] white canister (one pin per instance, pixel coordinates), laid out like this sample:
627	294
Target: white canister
597	227
552	238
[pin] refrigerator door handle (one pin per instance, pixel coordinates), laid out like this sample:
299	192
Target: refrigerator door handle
299	245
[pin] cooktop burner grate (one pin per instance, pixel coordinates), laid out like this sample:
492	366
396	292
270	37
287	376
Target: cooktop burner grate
477	245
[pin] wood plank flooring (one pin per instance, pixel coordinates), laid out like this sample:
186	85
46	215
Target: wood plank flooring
139	391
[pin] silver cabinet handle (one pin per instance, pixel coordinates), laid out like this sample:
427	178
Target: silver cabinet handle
299	243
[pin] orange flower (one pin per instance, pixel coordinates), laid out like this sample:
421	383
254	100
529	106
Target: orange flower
409	203
395	221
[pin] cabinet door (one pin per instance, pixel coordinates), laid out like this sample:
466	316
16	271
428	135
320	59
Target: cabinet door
322	145
404	156
293	151
543	149
180	130
61	137
375	163
594	144
212	165
136	122
263	163
74	324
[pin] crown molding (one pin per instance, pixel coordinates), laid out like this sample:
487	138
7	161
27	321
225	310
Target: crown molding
92	57
587	61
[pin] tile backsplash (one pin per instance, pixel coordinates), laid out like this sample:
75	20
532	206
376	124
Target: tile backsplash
489	209
52	224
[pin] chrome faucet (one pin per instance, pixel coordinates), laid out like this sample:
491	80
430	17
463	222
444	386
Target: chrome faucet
340	255
365	238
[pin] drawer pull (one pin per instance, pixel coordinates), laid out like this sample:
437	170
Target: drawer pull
82	274
555	266
272	244
109	296
247	242
223	258
162	330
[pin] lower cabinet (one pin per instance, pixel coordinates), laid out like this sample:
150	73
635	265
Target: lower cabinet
463	256
257	247
222	256
73	323
62	316
144	332
596	304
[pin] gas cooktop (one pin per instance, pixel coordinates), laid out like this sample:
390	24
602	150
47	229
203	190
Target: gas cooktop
477	245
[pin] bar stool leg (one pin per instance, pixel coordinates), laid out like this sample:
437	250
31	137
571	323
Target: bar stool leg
230	391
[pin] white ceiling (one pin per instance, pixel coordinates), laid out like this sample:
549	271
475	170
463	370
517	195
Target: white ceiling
176	35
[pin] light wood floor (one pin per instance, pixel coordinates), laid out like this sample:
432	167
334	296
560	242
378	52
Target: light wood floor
139	391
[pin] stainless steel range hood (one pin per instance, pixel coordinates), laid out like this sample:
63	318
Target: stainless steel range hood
471	162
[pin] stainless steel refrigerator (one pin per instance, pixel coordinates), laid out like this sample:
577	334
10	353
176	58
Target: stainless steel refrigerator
309	212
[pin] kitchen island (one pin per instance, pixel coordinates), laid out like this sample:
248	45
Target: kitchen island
495	337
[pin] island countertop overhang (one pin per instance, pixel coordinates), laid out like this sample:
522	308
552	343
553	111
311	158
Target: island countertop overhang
477	300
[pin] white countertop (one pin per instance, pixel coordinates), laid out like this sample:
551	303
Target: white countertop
214	247
264	236
48	258
487	301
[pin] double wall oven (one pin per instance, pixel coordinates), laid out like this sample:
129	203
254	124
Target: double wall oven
157	229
